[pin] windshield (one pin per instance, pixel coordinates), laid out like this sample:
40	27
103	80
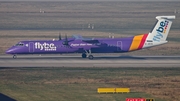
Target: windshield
19	44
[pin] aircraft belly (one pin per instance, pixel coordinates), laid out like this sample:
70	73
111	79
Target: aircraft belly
104	50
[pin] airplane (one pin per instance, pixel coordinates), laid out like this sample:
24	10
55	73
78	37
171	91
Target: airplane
88	46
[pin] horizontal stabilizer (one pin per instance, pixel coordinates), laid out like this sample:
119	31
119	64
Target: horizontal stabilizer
166	17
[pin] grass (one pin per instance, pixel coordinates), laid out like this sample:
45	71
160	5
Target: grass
80	84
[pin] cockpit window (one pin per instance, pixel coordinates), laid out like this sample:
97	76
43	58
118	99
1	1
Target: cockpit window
19	44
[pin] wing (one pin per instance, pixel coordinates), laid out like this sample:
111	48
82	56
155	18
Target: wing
88	40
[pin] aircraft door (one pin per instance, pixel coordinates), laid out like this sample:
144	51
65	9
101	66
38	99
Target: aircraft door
119	45
31	47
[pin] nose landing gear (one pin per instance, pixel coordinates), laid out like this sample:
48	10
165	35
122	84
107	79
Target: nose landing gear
14	56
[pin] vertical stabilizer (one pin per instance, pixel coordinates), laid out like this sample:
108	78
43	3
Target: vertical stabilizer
161	29
157	36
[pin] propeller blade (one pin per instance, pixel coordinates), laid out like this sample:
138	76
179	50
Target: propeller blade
66	41
66	38
60	36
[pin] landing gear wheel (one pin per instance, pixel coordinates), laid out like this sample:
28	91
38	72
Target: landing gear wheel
91	57
14	56
84	55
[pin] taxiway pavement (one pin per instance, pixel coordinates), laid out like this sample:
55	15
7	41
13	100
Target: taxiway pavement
98	61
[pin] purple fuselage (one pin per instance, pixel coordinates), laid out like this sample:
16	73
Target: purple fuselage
102	45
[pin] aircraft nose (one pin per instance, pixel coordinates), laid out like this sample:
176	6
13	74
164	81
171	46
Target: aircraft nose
9	51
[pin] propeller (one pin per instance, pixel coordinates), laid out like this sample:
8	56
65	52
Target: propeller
60	36
66	42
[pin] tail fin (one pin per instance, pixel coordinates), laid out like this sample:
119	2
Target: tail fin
161	29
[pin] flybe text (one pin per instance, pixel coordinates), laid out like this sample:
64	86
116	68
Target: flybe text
45	46
161	30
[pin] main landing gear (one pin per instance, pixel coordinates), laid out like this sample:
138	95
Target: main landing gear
91	57
84	55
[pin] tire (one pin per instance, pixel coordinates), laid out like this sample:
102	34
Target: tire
91	57
14	56
84	55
